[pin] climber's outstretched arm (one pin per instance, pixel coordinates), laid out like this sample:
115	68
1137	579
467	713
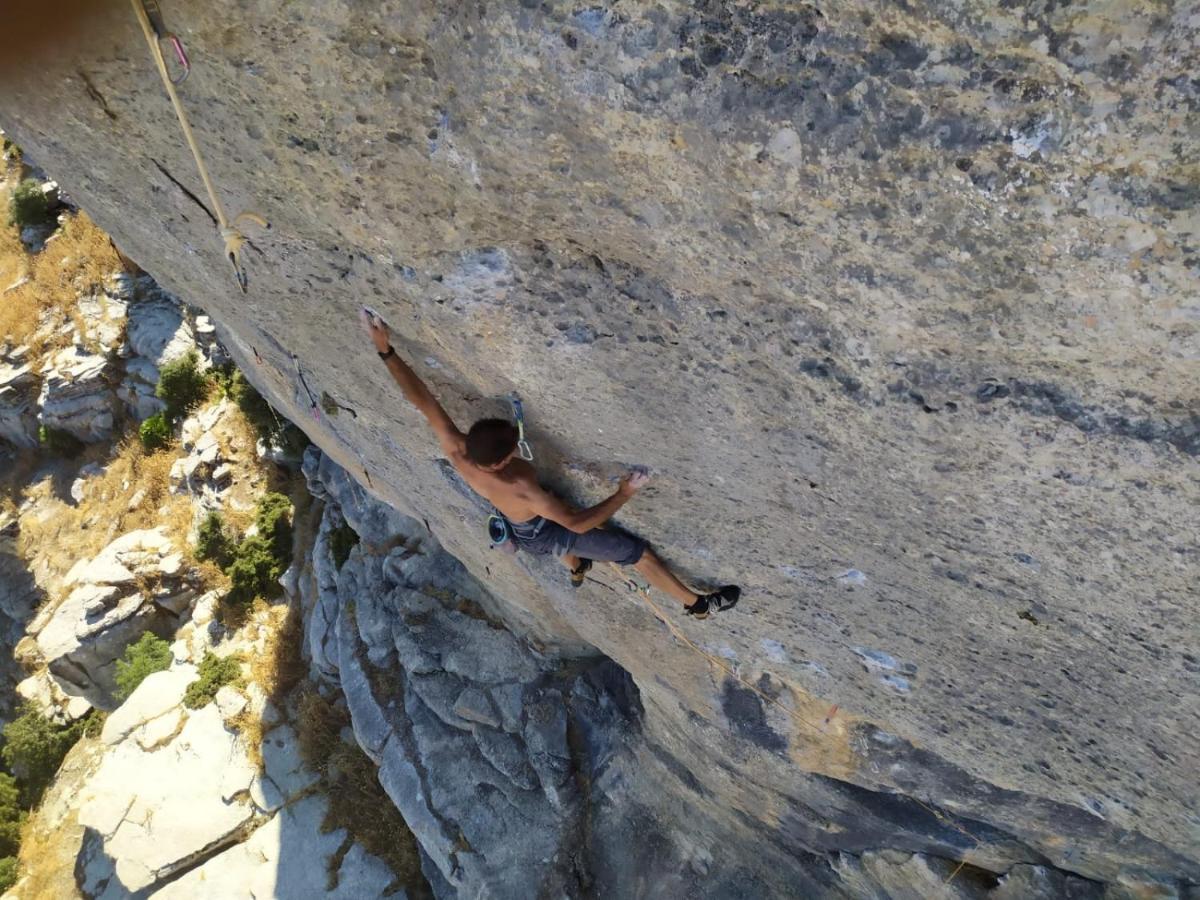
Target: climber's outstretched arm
580	521
415	390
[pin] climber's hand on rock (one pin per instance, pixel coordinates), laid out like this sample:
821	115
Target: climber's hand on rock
376	330
633	482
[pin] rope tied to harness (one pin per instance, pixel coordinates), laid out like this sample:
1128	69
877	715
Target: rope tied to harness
231	233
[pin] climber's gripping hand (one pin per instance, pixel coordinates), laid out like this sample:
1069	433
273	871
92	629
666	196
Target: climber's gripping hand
375	328
633	482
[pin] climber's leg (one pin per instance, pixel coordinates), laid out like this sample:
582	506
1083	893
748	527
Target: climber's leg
653	570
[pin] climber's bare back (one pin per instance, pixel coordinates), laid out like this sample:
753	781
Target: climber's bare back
513	490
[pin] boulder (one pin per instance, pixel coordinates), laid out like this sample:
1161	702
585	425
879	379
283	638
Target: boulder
158	694
19	389
158	330
19	591
75	395
289	856
156	811
105	609
137	388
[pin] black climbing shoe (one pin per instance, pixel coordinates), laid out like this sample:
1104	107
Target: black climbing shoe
718	601
579	573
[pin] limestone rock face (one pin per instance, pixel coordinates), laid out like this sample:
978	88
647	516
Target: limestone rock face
76	397
18	399
138	583
899	306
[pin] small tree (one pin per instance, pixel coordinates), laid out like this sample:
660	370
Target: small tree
155	432
274	521
212	542
34	748
149	654
181	385
12	816
254	571
213	673
28	205
8	872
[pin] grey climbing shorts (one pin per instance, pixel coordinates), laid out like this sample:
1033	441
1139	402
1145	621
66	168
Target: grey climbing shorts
599	544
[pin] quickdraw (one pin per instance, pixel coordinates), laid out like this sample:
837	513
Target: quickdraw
149	16
154	14
522	445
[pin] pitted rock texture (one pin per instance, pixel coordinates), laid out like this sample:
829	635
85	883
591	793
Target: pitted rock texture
898	305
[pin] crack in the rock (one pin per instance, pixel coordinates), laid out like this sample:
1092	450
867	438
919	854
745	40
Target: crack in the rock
94	93
187	193
190	863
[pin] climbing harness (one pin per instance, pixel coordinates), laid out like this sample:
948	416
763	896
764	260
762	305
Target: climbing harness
522	445
154	14
149	15
500	534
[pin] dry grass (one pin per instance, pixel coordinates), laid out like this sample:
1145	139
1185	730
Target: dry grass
47	859
61	534
280	667
357	801
42	311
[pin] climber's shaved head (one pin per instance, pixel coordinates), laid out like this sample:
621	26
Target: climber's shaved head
491	442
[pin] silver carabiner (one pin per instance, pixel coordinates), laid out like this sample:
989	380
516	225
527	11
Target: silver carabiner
523	450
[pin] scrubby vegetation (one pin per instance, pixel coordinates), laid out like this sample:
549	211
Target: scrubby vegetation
12	819
213	542
342	540
8	872
155	432
260	559
268	426
133	492
213	673
46	285
28	205
357	801
147	655
34	748
253	572
181	385
59	442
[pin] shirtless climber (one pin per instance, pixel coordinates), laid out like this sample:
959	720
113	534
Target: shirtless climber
487	458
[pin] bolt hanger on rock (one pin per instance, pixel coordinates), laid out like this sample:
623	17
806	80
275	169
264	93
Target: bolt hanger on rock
149	16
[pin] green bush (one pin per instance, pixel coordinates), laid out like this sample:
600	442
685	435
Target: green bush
270	428
28	205
342	540
181	385
12	816
254	571
213	674
155	432
58	442
8	872
212	541
34	748
149	654
274	521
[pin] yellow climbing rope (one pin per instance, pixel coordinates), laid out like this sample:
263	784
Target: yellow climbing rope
230	232
728	670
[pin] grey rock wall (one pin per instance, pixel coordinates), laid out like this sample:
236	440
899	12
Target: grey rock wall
899	305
